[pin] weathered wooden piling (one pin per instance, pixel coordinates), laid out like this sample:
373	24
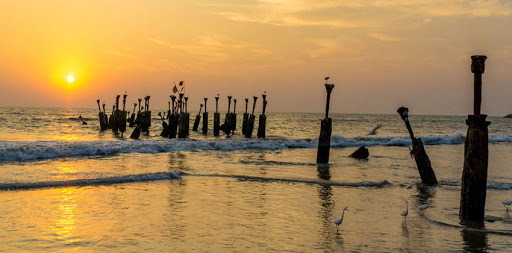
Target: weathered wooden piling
116	117
205	118
173	119
102	118
245	117
427	174
216	118
198	119
474	174
250	121
138	123
122	117
146	116
182	127
187	118
131	120
232	122
165	126
106	118
263	119
324	140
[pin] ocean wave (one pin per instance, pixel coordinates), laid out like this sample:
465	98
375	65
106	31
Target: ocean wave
88	182
23	151
378	184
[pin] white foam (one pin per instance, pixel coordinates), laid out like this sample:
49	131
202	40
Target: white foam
22	151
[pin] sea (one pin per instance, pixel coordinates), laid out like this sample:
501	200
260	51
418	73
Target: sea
69	187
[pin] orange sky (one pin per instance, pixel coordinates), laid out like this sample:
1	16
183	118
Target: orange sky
379	53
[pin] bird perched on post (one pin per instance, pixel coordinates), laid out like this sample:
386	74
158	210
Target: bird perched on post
406	212
340	220
424	207
507	203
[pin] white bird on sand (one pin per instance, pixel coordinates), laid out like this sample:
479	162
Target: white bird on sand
374	130
406	212
340	220
507	203
424	207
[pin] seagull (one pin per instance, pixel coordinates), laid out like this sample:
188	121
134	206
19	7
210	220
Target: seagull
424	207
326	78
374	131
406	212
507	203
340	220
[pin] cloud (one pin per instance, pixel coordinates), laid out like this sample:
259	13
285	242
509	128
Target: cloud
384	37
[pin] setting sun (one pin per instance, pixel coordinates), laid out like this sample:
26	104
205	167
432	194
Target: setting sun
70	79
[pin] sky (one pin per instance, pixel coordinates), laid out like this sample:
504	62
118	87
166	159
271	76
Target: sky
380	54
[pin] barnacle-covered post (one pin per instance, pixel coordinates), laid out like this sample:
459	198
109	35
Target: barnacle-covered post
263	119
427	174
324	141
205	118
216	118
474	174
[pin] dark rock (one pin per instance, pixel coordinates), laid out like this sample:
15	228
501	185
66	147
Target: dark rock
360	153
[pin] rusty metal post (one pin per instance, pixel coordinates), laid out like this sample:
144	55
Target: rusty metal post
427	174
324	140
476	153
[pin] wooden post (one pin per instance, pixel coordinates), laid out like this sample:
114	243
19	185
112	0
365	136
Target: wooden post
101	117
216	118
131	120
205	118
427	174
245	118
165	126
324	141
250	120
198	119
263	119
173	119
116	117
123	115
476	153
187	118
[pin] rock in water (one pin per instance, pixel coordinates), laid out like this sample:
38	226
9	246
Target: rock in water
508	116
361	153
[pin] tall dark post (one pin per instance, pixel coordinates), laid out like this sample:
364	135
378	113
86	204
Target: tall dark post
182	122
122	117
324	141
233	118
198	119
187	118
263	119
245	117
116	116
474	174
101	117
427	174
250	120
132	117
173	119
216	118
205	118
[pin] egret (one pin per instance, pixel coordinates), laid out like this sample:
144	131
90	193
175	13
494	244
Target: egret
374	130
340	220
424	207
507	203
406	212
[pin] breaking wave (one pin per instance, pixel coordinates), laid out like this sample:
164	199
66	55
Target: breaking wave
95	181
23	151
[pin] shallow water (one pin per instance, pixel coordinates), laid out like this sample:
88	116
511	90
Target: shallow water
66	187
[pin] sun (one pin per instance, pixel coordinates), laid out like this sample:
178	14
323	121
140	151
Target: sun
70	79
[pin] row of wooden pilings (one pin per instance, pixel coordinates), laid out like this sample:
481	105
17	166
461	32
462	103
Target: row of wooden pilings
474	175
176	124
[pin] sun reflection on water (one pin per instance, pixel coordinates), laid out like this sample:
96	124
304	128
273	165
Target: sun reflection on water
65	223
